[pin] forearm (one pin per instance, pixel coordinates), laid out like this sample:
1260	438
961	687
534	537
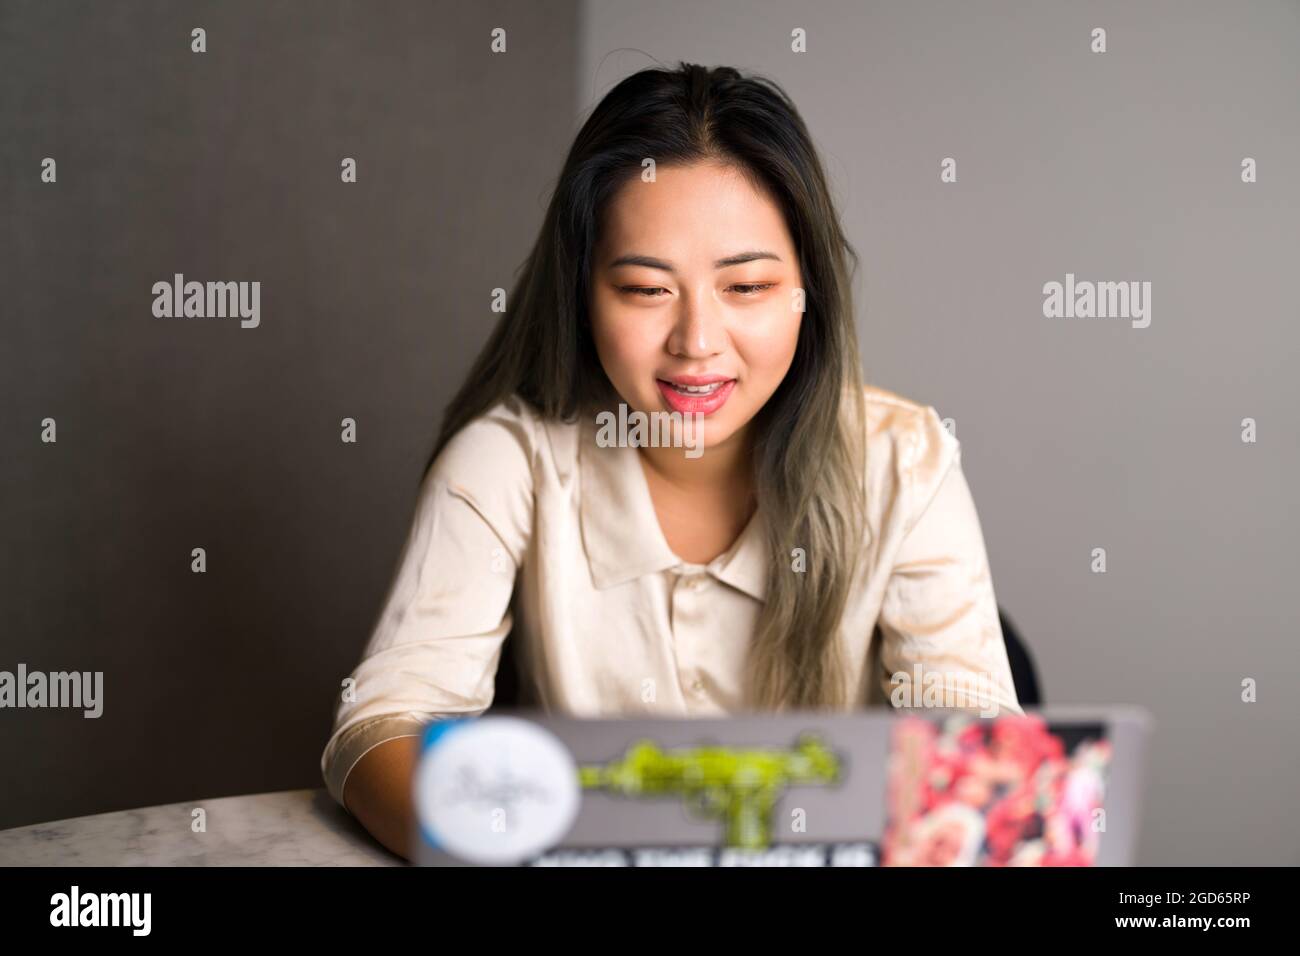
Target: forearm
378	794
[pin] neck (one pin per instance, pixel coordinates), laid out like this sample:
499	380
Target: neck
727	467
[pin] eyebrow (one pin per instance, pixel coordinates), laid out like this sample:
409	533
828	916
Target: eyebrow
650	262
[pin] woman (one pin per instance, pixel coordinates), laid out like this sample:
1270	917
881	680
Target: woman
691	271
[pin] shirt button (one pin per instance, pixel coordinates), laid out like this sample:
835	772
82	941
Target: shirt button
697	582
697	686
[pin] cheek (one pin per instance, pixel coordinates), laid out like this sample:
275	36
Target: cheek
767	349
627	350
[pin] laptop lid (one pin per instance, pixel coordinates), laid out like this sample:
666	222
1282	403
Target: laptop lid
919	787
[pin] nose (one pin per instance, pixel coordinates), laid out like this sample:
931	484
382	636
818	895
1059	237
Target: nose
698	331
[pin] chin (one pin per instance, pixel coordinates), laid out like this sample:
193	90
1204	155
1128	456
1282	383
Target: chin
719	433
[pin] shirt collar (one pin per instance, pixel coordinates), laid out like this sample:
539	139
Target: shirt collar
621	533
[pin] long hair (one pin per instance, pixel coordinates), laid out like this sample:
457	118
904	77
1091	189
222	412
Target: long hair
808	454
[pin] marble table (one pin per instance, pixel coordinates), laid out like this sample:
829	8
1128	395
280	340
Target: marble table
288	828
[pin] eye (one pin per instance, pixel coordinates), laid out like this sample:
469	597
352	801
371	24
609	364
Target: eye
752	288
648	292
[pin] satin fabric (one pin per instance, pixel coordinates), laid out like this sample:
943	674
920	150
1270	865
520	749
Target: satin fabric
527	526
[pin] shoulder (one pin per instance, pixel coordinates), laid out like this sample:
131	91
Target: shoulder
908	447
510	447
500	441
907	427
490	464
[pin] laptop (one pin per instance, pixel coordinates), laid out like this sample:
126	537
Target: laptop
1057	787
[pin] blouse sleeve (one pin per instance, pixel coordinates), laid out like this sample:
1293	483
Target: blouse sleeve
434	650
942	639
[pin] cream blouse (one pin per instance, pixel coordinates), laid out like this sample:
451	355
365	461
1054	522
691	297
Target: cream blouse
525	525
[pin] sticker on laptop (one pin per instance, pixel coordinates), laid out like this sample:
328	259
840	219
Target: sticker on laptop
1014	791
494	790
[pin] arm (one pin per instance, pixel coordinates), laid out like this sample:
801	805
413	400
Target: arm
378	794
436	645
939	618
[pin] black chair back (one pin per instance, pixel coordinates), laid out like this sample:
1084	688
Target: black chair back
1023	672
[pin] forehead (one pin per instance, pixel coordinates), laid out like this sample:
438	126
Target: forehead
702	211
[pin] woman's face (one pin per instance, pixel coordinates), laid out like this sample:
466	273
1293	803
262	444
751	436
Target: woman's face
696	296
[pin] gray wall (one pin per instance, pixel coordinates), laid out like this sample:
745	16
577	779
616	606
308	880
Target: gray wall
1079	434
175	434
178	434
